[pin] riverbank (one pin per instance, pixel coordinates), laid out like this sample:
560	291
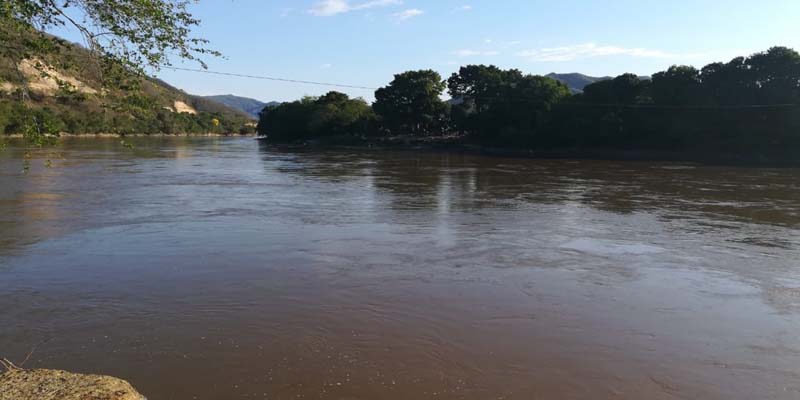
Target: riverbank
40	384
117	135
459	144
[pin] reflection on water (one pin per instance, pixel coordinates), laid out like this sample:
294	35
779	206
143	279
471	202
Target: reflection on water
217	269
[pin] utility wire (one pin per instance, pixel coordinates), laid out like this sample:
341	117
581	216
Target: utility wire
505	98
269	78
678	107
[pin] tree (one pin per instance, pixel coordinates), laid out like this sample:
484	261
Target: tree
678	85
411	103
624	89
776	72
333	115
5	116
336	114
136	33
476	87
502	106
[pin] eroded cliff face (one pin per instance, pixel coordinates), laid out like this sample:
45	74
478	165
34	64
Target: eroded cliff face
46	80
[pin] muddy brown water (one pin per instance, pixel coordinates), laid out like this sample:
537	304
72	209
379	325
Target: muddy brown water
213	268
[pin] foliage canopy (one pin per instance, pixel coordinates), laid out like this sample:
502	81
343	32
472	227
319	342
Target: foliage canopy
312	118
749	106
411	103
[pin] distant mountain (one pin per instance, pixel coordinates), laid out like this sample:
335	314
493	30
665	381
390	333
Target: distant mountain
201	103
575	81
250	106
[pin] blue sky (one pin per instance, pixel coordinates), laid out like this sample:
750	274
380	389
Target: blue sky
364	42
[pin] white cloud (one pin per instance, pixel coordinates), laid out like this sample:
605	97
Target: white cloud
589	50
377	3
465	7
326	66
286	12
408	14
475	53
327	8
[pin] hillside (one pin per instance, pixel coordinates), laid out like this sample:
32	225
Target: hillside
202	104
250	106
576	81
71	98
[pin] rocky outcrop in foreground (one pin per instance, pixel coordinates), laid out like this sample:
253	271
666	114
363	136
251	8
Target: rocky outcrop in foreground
42	384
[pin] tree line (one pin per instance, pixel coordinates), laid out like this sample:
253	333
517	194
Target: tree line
747	105
140	115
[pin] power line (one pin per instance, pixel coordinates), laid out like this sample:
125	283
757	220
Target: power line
679	107
270	78
505	98
683	107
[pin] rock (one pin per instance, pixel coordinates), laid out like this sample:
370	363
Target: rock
43	384
44	79
182	107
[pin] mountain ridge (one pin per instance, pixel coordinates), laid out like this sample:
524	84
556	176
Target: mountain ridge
248	105
577	81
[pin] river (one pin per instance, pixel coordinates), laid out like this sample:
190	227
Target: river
216	268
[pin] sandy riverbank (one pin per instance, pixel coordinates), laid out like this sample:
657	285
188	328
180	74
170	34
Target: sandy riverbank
106	135
40	384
